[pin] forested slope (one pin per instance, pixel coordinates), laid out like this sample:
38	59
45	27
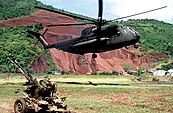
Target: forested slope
16	42
16	8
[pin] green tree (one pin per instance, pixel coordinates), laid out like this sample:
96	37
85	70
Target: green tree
15	44
126	67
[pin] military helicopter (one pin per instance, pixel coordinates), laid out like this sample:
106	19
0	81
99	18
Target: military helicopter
104	36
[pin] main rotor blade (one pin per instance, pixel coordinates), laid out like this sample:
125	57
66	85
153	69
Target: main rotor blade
67	14
138	13
100	14
68	24
100	9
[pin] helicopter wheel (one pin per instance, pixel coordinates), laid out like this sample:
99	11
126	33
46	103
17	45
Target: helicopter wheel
94	55
136	45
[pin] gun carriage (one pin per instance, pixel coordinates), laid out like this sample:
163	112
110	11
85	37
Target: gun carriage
39	96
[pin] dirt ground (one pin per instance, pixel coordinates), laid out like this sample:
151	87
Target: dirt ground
134	97
120	98
137	99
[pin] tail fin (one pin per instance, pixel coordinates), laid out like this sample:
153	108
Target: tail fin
40	38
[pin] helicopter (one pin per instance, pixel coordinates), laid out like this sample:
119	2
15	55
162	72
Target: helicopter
103	36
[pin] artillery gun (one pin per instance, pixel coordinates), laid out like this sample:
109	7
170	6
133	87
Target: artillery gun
39	97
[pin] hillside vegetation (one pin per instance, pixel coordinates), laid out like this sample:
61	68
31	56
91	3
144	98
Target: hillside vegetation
15	8
16	43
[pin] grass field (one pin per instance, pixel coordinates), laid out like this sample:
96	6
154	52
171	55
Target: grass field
106	94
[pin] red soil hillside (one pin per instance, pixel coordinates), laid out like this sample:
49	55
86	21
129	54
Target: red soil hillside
106	61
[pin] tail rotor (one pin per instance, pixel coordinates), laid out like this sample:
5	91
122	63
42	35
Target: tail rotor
40	37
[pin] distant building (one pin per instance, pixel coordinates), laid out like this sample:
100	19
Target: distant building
56	73
170	72
160	73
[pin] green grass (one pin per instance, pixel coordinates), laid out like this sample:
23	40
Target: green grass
8	96
101	98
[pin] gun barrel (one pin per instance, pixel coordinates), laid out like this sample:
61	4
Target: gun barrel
24	72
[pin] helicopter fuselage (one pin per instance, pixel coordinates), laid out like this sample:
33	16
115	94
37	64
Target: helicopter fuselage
91	41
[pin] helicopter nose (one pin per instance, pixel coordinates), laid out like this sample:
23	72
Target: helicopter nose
137	37
134	33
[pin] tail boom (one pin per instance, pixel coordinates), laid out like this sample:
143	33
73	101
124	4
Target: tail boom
40	38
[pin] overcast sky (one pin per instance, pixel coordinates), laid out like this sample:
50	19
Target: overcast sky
117	8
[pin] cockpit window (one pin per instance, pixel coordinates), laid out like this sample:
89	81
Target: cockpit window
125	31
131	29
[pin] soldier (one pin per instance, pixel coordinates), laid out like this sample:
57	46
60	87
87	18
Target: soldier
49	87
33	89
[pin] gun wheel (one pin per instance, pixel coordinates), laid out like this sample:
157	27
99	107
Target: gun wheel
20	106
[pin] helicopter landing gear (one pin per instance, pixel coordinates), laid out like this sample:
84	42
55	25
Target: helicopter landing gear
136	45
94	55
